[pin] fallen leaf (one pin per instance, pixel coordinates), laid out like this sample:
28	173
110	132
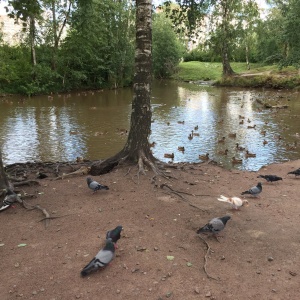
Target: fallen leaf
170	257
22	245
1	245
189	264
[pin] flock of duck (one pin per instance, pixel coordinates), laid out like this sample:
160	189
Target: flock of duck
222	141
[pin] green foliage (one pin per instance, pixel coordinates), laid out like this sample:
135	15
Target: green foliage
166	48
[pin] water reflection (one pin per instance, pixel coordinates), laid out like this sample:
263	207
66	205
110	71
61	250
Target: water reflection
93	125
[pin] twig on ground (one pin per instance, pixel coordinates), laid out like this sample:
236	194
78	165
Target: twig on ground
205	259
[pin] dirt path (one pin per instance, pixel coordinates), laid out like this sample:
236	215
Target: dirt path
258	256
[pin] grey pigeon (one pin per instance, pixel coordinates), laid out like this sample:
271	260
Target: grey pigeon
10	198
270	178
101	260
95	186
254	191
215	225
114	234
296	172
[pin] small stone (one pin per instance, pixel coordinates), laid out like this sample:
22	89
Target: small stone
155	249
150	290
270	258
34	293
118	291
197	290
258	272
78	296
273	290
168	294
42	289
208	294
292	273
17	265
222	257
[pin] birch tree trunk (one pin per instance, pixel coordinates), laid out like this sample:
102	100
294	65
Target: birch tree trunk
137	149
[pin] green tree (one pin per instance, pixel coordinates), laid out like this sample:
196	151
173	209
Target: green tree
167	49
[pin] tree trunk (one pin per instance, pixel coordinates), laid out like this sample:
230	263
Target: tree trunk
54	50
32	40
247	57
137	149
3	179
227	70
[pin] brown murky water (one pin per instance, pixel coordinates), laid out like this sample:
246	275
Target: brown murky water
92	124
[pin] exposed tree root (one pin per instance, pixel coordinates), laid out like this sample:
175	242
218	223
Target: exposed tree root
178	193
26	182
82	171
205	259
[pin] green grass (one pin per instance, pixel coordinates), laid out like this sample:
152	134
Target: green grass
195	70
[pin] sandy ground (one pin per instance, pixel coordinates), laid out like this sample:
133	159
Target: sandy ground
257	257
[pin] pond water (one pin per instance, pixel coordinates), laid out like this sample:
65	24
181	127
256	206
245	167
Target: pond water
92	124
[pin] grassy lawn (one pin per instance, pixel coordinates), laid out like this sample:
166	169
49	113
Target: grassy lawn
195	70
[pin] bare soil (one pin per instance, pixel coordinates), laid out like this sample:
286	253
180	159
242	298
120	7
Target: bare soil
257	257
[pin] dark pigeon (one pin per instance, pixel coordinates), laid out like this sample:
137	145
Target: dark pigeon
10	198
95	186
215	225
270	178
101	260
254	191
114	234
296	172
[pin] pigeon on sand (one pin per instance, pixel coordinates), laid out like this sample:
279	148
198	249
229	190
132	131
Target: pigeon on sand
10	198
296	172
270	178
235	202
101	260
254	191
95	186
114	234
214	226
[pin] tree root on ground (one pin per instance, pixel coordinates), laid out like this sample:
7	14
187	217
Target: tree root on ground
205	259
178	193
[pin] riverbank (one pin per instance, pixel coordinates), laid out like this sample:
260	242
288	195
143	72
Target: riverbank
160	255
257	76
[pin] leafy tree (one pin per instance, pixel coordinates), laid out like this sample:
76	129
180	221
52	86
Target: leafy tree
167	49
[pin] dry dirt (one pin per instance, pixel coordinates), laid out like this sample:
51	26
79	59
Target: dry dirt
258	256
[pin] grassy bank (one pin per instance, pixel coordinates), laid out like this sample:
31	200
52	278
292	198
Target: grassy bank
257	76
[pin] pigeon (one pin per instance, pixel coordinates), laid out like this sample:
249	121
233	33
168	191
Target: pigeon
296	172
254	191
215	225
114	234
9	199
101	260
270	178
235	202
95	186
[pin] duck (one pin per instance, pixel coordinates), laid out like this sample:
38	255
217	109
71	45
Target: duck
169	155
221	121
190	137
195	133
168	123
251	127
232	135
152	144
204	156
248	154
241	117
241	122
236	161
263	132
249	121
196	127
238	147
180	122
222	140
181	148
292	147
223	152
265	142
